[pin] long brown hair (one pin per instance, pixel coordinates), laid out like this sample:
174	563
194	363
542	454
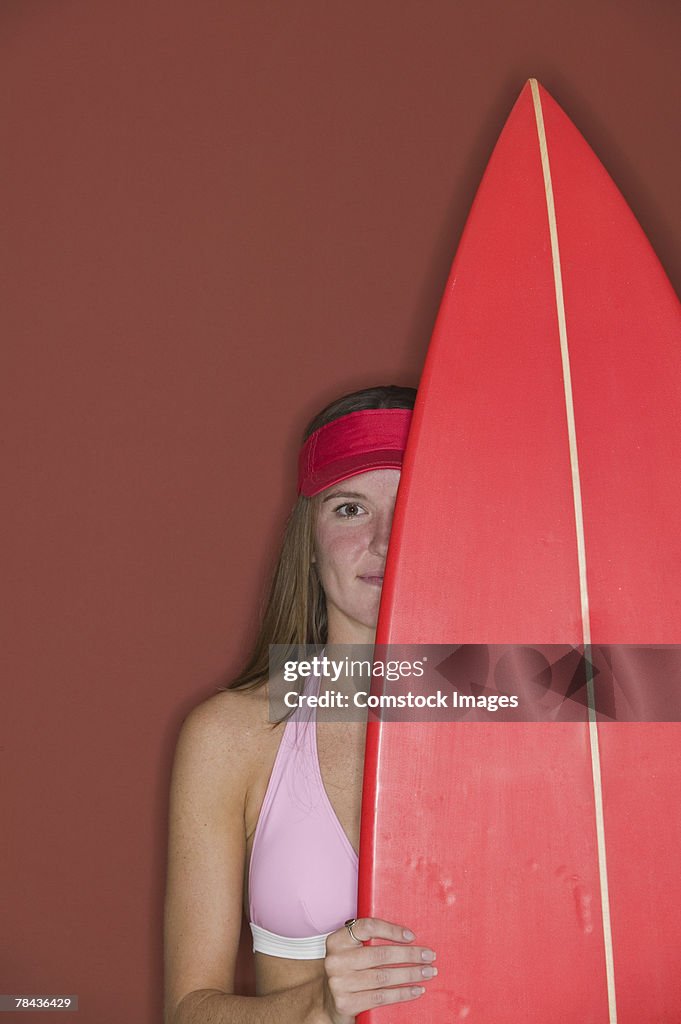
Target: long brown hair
295	613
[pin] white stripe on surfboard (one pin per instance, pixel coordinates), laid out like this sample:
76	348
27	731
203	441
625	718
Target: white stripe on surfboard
581	553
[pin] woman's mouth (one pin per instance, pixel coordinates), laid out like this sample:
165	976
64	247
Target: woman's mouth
376	581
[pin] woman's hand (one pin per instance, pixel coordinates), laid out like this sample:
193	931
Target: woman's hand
359	977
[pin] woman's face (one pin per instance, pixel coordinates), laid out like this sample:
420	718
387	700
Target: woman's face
351	541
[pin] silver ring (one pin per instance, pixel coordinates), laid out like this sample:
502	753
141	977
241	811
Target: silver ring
348	925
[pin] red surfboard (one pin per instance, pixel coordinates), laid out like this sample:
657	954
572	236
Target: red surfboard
540	503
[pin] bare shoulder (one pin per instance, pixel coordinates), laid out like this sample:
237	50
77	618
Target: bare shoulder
226	732
229	713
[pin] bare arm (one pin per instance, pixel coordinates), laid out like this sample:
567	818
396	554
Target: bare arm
354	980
299	1005
206	860
206	863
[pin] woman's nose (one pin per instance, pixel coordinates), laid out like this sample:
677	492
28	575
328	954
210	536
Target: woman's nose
380	537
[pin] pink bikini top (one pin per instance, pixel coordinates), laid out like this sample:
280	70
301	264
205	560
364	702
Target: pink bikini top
302	880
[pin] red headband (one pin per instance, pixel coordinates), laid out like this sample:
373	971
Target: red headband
352	444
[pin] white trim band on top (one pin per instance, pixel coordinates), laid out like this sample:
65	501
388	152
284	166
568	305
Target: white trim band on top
312	947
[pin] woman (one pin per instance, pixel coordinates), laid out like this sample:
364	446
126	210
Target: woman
236	831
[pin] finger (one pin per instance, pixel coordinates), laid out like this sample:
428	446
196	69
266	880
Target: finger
354	1003
359	958
377	928
366	928
389	977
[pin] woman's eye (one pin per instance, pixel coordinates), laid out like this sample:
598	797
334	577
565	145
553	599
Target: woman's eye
350	510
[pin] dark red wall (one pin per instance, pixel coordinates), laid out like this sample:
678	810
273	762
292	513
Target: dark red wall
217	215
